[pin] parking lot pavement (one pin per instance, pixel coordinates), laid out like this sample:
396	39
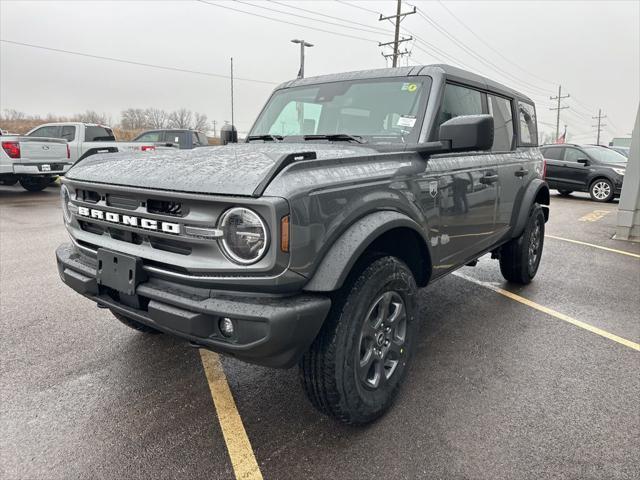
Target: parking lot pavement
497	389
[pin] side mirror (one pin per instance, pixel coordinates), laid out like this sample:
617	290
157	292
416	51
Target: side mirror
467	133
228	134
583	161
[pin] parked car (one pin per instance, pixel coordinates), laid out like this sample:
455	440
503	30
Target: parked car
34	162
180	138
307	244
585	168
86	139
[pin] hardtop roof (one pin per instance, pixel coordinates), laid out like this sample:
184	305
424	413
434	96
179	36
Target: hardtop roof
450	72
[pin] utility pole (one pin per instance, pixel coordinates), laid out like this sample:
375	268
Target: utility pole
215	123
302	45
600	124
399	16
559	98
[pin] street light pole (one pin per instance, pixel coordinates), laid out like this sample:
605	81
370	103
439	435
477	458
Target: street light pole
302	45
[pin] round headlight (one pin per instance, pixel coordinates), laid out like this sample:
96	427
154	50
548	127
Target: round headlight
65	198
245	237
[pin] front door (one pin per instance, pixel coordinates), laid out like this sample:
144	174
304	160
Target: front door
574	173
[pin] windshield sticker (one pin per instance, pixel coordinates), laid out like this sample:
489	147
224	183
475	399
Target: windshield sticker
406	121
409	87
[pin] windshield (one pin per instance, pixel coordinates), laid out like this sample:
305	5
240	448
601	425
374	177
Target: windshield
379	111
605	155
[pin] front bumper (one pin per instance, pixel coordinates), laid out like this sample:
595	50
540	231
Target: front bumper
270	330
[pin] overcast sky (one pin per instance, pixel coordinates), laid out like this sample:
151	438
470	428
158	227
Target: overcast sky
591	47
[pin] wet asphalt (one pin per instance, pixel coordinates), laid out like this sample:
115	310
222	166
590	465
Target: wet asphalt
497	389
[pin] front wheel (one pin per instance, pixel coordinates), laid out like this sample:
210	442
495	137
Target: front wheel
34	184
601	190
520	257
355	367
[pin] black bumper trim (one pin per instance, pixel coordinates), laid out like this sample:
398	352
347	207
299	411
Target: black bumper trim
271	330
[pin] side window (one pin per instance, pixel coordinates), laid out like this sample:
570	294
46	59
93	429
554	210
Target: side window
69	133
459	101
553	153
150	137
528	126
500	109
52	131
573	155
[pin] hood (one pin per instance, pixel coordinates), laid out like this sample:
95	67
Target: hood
227	170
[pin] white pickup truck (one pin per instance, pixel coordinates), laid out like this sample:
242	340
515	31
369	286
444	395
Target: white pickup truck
34	162
87	139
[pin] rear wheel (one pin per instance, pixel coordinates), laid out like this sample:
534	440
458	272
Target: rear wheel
520	257
129	322
34	184
355	367
601	190
565	193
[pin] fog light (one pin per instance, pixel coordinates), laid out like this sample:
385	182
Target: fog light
226	326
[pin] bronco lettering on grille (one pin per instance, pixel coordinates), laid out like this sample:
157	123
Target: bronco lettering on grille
131	221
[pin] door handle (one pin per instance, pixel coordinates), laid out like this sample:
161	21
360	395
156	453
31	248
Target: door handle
488	178
521	173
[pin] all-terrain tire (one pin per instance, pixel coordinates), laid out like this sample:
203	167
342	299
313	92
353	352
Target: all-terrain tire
601	190
332	371
34	184
565	193
129	322
520	257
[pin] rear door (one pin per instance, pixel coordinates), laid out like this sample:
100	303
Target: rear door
466	188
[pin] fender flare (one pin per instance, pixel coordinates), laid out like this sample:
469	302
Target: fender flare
535	188
347	249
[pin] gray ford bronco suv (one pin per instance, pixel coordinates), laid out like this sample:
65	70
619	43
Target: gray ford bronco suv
307	243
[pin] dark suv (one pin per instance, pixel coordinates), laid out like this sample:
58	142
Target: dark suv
307	244
585	168
180	138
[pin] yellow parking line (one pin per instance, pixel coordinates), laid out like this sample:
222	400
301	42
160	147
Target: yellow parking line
553	313
621	252
242	457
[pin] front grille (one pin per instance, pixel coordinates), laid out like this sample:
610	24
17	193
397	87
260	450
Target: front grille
88	196
165	207
125	203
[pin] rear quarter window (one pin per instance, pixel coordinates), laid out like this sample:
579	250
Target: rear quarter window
528	131
98	134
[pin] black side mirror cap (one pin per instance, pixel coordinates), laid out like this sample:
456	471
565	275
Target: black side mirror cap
468	133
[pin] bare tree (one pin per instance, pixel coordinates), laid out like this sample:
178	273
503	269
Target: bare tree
201	123
133	119
156	118
91	116
10	115
181	118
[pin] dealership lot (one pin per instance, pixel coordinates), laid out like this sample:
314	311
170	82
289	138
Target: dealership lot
498	388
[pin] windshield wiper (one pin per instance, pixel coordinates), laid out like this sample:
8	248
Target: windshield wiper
266	137
333	137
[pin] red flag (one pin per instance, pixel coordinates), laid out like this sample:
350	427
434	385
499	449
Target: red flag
562	138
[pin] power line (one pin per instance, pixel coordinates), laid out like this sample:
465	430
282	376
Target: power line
359	7
475	55
314	12
490	46
226	7
305	17
132	62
